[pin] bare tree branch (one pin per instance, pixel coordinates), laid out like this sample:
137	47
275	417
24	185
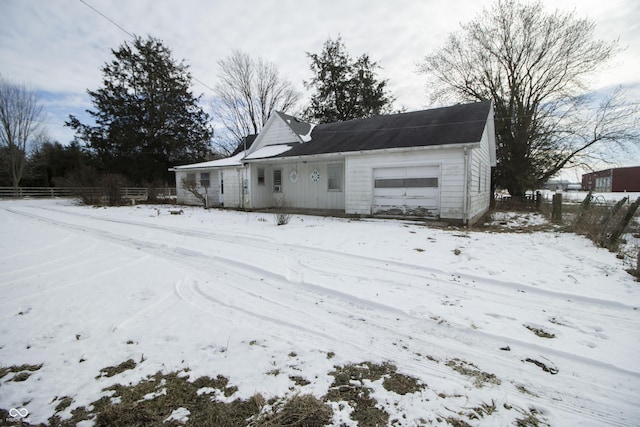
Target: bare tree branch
249	91
534	65
193	187
20	124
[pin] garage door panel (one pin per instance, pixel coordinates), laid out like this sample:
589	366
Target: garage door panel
390	192
421	192
410	191
388	201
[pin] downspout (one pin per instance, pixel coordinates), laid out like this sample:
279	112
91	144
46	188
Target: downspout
241	194
465	203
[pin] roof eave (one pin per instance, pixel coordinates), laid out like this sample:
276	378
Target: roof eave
321	156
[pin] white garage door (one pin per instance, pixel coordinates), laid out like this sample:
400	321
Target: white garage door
411	191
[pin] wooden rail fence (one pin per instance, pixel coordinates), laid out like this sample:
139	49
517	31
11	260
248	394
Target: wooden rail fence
137	193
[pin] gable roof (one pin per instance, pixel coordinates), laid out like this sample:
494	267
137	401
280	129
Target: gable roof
300	128
459	124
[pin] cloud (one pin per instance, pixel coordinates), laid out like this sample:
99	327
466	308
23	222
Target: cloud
60	46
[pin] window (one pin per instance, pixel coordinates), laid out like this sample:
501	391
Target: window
406	183
277	180
334	172
260	176
191	180
204	180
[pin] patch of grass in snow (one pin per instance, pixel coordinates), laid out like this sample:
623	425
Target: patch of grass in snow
299	410
526	417
530	418
22	372
402	384
152	400
470	370
514	222
349	387
439	319
299	381
65	402
522	389
155	398
110	371
209	401
456	422
540	332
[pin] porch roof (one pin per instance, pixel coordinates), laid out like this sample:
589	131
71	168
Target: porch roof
235	160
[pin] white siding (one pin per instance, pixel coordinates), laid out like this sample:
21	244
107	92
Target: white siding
235	196
187	198
301	193
479	179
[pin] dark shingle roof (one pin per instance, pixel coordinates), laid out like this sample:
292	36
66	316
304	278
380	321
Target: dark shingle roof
440	126
244	144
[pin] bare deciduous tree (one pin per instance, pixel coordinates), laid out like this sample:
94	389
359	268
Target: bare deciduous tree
534	66
193	187
20	124
249	91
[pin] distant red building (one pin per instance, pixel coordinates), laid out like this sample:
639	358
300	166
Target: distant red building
613	180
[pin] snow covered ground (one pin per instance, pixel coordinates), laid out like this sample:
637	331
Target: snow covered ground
231	293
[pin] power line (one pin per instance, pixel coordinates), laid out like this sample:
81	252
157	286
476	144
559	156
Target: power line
106	17
133	36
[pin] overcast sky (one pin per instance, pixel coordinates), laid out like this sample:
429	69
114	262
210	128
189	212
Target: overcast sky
58	46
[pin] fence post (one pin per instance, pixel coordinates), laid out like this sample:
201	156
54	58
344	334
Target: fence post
538	200
619	227
556	214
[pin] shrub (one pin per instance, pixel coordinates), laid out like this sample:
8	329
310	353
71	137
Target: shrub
282	214
111	186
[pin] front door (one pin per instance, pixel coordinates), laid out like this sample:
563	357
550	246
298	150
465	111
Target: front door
221	187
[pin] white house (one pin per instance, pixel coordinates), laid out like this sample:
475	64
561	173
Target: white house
427	164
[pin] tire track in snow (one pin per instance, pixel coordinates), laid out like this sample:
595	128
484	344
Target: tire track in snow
387	351
249	240
343	305
244	267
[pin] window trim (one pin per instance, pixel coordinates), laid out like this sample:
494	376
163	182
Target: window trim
207	180
339	167
277	187
261	176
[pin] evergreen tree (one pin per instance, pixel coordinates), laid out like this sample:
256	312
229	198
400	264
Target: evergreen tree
52	164
146	118
345	89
